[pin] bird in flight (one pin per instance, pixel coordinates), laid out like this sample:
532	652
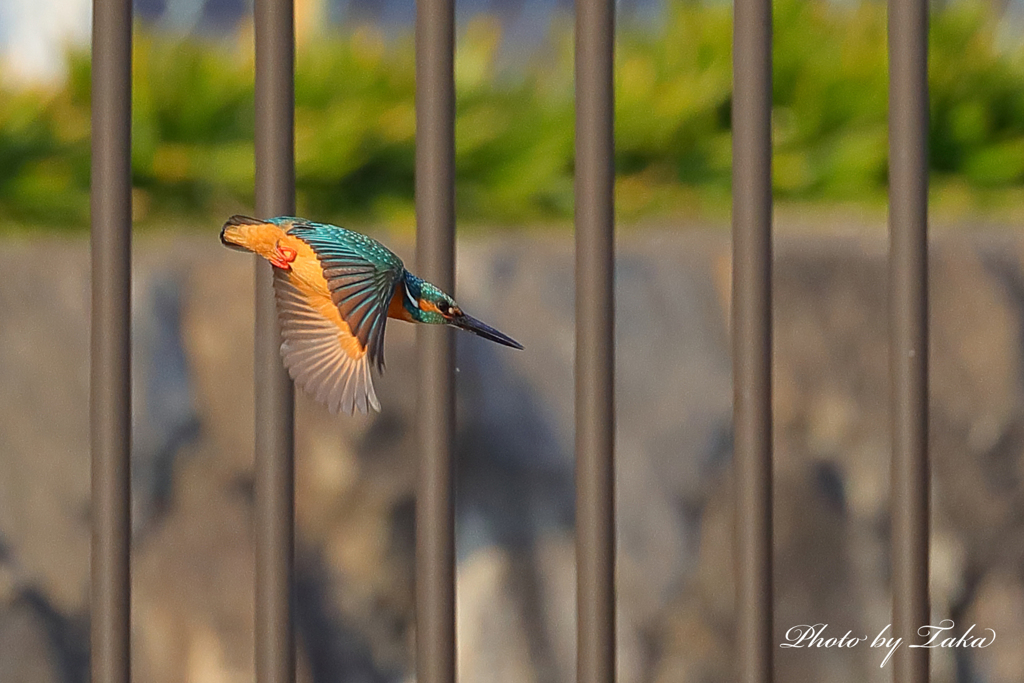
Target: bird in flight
335	290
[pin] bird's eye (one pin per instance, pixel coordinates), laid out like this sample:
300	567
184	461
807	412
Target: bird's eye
443	308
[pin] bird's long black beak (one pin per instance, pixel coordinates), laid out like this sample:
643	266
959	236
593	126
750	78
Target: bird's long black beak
471	324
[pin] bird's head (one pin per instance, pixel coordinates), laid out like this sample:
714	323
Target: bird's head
426	303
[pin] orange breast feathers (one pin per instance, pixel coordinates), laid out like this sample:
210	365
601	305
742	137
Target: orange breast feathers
307	276
396	309
285	251
304	272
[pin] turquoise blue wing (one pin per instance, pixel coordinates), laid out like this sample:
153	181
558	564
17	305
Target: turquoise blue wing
362	275
318	354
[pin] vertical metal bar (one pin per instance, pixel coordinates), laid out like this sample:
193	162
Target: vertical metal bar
595	341
110	378
908	302
435	259
752	334
275	196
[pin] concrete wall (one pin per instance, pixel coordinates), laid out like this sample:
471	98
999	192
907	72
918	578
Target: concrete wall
355	476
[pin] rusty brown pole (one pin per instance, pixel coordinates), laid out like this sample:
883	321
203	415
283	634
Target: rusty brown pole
110	378
908	302
275	481
595	341
752	335
435	260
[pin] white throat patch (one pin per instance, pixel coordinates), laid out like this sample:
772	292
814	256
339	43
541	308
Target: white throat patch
409	297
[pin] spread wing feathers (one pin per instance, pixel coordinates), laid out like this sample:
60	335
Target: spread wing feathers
321	357
362	275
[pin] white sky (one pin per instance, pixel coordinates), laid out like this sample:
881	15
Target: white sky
34	34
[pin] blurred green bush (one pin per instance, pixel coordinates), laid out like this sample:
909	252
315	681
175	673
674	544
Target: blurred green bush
355	121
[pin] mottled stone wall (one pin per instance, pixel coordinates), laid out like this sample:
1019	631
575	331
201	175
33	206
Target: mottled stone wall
355	476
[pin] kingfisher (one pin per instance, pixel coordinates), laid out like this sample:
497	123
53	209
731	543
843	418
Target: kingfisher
335	289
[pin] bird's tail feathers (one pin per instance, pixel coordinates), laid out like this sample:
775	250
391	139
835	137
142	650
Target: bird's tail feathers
239	219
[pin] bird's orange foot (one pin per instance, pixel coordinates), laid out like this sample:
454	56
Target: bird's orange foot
283	257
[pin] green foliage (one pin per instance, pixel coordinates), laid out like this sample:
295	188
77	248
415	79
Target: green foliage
355	121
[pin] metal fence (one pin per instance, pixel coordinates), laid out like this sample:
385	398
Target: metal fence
595	415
